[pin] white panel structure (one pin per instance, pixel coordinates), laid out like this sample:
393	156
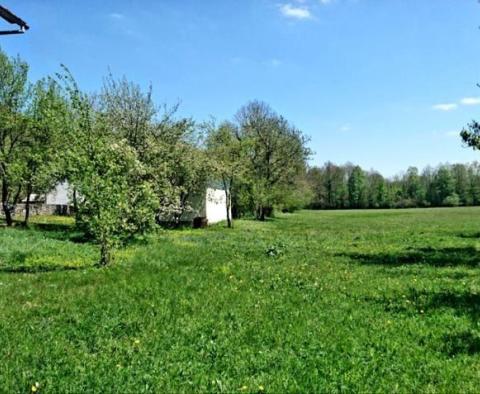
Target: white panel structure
59	195
216	205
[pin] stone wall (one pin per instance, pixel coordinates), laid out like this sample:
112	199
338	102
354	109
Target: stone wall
44	209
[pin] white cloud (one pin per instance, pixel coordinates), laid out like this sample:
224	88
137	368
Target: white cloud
445	107
290	11
470	101
345	128
275	62
455	133
116	15
325	1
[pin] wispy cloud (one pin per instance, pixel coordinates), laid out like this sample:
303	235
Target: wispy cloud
295	12
116	15
445	107
275	62
345	128
453	133
470	101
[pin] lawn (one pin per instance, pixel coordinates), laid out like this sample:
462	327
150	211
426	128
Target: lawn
355	301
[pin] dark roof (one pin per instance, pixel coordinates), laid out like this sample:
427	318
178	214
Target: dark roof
14	20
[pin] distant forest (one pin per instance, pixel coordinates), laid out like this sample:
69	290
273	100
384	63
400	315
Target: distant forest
349	186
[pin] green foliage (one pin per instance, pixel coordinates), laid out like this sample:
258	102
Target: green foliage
452	200
14	133
274	155
337	187
225	152
356	188
115	201
357	301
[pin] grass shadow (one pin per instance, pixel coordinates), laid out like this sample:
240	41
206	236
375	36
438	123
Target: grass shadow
465	342
445	257
27	269
57	231
475	235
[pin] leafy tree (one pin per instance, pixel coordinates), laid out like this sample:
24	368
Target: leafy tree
356	188
14	133
275	153
376	190
225	151
413	188
443	185
47	120
461	183
115	202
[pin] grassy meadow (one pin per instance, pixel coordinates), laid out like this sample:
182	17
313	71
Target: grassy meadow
331	301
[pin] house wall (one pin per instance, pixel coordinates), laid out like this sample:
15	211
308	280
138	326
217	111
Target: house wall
215	205
59	195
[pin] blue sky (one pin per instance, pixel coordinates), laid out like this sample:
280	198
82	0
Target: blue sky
383	84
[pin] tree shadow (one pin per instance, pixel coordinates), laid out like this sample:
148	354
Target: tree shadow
58	231
462	303
464	342
27	269
475	235
445	257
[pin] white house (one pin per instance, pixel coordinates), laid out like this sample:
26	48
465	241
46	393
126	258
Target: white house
59	195
210	205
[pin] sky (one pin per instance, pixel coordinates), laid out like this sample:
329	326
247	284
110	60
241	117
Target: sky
383	84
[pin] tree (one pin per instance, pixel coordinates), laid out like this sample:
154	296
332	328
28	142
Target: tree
443	185
275	153
376	190
461	183
356	188
413	186
116	202
128	111
43	157
225	152
14	133
315	178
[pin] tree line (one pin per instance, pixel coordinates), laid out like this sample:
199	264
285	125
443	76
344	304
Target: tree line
133	164
350	187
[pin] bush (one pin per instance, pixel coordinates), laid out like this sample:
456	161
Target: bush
452	200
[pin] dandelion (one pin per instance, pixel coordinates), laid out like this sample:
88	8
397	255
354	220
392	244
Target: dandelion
244	388
261	388
35	387
137	342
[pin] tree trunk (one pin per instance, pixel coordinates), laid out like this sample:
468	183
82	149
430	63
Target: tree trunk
228	201
5	206
75	206
105	254
261	213
229	208
27	206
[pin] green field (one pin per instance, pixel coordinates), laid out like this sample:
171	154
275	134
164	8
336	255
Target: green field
370	301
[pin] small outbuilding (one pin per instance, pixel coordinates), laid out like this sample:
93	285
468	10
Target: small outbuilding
206	207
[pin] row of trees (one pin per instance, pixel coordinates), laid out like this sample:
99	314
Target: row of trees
349	186
132	164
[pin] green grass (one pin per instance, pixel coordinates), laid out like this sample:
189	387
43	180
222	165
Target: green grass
359	301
